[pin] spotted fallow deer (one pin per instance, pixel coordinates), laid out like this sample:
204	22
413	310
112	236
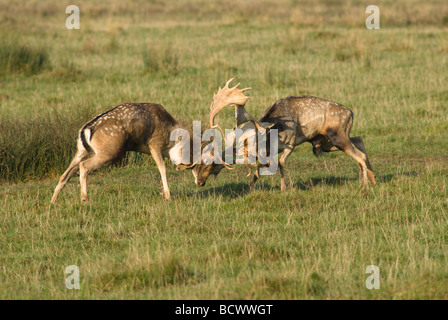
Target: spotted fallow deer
323	123
140	127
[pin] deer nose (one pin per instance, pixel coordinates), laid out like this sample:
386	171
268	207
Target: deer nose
201	183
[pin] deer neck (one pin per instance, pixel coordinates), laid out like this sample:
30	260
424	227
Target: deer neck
179	131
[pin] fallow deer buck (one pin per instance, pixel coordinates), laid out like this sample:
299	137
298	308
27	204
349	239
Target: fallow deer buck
323	123
140	127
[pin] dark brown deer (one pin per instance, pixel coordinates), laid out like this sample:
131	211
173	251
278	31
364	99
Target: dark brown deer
323	123
140	127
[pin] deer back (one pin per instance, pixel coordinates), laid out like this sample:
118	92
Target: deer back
305	116
130	127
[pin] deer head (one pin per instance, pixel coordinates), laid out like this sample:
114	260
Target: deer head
225	97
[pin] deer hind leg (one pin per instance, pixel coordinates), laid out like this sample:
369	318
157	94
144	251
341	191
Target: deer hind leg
96	162
70	172
160	162
358	143
343	143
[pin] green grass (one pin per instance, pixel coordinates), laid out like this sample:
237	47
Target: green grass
21	58
156	59
313	241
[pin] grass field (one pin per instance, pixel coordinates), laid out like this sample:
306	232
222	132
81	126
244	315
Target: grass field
313	241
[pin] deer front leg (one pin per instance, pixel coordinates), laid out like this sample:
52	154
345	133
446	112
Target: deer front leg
256	177
281	163
160	162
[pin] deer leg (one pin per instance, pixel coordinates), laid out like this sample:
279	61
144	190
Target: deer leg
256	177
85	167
161	186
358	143
360	158
281	163
158	158
72	169
343	142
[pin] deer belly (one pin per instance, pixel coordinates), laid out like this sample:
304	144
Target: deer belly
313	127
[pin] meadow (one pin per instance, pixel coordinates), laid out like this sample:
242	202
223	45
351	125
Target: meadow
313	241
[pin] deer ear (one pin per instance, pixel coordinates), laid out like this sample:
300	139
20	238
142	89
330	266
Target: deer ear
182	167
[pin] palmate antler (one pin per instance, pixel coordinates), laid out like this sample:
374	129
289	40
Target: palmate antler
224	97
231	96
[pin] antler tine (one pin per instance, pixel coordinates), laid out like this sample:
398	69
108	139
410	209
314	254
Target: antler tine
226	96
225	164
235	86
228	82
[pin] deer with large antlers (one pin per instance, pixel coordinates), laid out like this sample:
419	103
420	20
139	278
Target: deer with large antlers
140	127
323	123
